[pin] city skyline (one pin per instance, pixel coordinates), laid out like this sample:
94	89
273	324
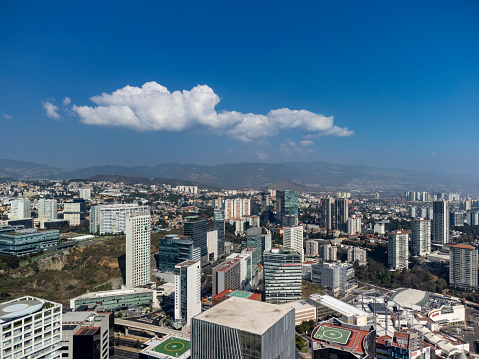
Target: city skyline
387	85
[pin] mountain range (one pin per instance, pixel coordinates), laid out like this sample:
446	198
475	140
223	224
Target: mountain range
314	175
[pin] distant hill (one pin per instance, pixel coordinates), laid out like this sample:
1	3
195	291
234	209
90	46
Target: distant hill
316	174
142	180
291	186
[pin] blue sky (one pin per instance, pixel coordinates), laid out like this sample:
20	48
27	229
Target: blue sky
401	80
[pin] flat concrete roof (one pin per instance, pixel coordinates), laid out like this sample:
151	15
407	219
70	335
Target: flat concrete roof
338	305
76	317
409	297
248	315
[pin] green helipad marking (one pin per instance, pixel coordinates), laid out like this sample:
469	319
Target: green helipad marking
240	294
336	335
173	346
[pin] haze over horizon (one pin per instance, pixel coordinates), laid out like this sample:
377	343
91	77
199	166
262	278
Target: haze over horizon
381	84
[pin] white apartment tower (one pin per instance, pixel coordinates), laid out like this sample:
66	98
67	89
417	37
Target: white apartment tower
84	193
47	208
293	238
421	237
112	218
463	266
30	328
137	250
354	225
440	222
21	208
398	252
187	291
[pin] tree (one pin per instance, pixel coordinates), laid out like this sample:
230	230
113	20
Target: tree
299	342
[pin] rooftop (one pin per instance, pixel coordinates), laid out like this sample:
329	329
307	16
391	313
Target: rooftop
76	317
115	292
243	314
463	246
408	297
338	305
335	336
186	263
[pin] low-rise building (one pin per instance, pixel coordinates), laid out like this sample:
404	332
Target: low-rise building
117	299
25	241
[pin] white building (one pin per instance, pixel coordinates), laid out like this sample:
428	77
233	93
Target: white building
463	266
84	193
47	208
187	291
293	238
398	251
21	208
137	250
30	328
312	248
112	218
334	276
246	269
212	245
327	305
354	225
187	189
421	237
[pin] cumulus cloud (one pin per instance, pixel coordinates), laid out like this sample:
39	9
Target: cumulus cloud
6	116
51	110
153	108
67	101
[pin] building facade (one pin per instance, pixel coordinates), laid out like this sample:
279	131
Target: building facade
282	271
138	250
112	218
187	291
421	237
175	249
463	266
398	250
219	225
440	222
47	208
24	241
196	229
223	333
293	238
30	328
20	208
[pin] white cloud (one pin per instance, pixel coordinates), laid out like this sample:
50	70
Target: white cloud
51	110
67	101
153	108
289	147
8	117
262	155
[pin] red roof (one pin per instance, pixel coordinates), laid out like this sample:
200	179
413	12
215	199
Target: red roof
355	341
463	246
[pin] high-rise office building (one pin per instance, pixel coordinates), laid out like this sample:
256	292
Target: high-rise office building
254	240
243	328
175	249
287	207
196	229
293	238
398	250
282	275
327	213
21	208
463	266
440	222
138	250
219	225
47	208
421	237
30	328
112	218
187	291
341	214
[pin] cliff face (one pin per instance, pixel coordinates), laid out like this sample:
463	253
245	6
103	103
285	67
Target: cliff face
67	274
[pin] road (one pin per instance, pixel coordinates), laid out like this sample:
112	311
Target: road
124	354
